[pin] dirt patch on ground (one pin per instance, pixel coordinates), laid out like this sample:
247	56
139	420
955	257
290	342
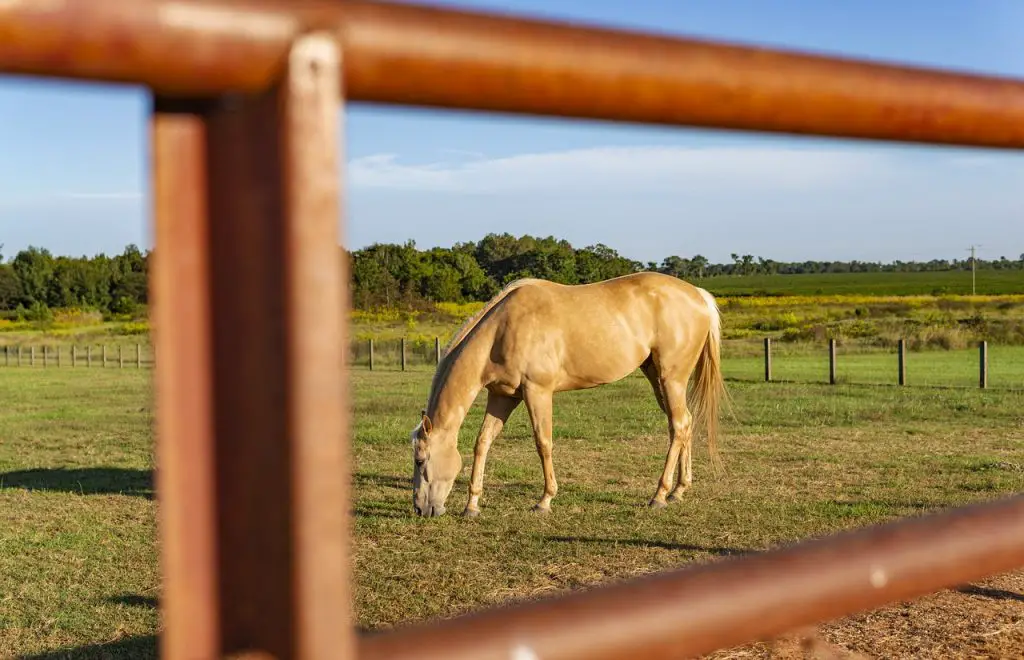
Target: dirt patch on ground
984	619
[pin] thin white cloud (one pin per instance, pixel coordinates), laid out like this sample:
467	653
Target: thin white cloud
63	198
624	169
116	195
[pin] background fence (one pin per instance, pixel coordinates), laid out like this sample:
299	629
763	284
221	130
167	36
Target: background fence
989	366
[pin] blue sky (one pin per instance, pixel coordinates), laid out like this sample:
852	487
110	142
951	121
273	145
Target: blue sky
442	177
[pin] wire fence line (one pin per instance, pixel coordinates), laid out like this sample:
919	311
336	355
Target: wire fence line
118	355
986	366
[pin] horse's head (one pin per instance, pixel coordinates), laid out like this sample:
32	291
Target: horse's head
436	463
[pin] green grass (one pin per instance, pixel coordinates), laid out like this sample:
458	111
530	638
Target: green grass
78	566
988	282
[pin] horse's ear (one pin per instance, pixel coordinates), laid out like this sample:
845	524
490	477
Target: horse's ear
427	426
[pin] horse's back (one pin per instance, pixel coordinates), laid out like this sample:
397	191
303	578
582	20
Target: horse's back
588	334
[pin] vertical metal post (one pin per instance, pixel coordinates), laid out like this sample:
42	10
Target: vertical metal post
832	361
983	364
403	353
271	577
902	361
371	354
767	359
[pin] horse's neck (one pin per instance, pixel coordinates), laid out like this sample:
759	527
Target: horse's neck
457	390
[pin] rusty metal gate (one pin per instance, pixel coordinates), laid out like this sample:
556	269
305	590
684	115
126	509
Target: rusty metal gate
245	186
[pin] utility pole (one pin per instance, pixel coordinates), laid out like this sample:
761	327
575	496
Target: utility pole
973	270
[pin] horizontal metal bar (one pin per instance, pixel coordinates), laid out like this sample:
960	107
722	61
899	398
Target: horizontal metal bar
729	602
415	55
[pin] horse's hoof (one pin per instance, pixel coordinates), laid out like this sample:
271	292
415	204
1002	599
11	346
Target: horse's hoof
656	504
471	513
540	509
675	497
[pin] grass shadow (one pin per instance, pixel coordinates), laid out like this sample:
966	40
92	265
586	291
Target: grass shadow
135	600
83	481
994	594
652	543
141	647
378	510
382	480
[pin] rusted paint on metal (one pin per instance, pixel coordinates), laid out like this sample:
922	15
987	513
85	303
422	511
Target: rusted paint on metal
185	461
267	261
699	610
317	312
415	55
186	48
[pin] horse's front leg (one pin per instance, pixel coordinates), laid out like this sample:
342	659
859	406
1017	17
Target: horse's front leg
539	405
499	408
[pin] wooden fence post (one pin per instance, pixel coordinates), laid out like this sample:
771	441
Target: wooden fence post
403	353
58	355
74	355
104	355
983	364
88	356
437	350
831	361
19	355
902	360
138	356
371	355
32	356
7	356
46	355
120	356
767	359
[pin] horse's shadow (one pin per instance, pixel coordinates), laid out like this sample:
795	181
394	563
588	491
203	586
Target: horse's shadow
143	646
654	543
994	594
83	481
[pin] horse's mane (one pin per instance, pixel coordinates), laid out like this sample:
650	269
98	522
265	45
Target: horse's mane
460	335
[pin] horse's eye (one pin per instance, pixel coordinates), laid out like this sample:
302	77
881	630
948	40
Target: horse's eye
419	462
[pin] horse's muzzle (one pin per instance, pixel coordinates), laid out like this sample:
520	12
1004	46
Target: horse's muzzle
430	511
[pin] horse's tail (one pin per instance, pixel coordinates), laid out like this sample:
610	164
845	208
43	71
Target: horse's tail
708	385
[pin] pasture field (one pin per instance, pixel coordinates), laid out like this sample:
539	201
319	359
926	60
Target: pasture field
78	566
988	282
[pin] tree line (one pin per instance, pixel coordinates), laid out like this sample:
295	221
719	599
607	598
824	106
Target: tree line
385	273
389	274
35	281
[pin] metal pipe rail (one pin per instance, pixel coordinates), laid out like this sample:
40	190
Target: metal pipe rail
246	196
415	55
701	609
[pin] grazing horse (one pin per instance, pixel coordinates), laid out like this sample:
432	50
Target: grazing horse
535	338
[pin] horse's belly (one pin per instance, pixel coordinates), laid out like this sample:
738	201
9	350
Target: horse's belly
597	360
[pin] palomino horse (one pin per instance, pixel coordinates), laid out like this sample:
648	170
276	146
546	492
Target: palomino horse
535	338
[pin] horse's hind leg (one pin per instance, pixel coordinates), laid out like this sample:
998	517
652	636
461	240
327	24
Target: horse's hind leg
680	427
684	478
651	371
